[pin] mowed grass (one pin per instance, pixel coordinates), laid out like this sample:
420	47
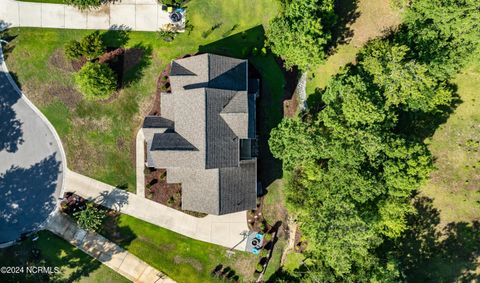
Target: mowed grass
74	265
181	258
454	186
372	19
99	137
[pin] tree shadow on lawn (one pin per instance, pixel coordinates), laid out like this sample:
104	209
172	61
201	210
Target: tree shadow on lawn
116	36
8	36
422	125
135	60
347	13
130	65
430	255
272	84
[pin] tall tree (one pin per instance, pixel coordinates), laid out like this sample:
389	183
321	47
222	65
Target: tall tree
443	33
301	32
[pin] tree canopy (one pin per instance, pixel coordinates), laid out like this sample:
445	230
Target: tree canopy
351	173
301	32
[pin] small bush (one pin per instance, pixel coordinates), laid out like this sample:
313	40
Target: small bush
84	4
92	45
267	237
263	226
96	81
73	50
263	253
90	218
263	51
259	268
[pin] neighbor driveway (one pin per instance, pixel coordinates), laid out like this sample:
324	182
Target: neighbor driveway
31	163
140	15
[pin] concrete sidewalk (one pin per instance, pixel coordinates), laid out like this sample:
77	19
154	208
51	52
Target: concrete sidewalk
139	15
225	230
113	256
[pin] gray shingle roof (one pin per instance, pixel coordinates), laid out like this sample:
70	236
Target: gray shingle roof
157	122
222	143
179	70
211	110
170	141
227	73
238	187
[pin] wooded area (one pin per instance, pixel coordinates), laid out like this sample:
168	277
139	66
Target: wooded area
355	160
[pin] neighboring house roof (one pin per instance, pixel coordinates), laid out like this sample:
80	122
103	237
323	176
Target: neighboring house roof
209	111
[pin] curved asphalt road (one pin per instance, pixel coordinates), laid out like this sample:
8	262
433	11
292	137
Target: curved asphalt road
31	163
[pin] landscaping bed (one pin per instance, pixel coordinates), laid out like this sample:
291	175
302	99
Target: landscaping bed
158	190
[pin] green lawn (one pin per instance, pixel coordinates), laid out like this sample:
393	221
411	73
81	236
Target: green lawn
455	184
99	137
74	265
374	17
181	258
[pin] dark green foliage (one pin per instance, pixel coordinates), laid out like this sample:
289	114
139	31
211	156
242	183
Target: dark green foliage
300	34
96	81
172	2
73	49
350	172
84	4
442	33
91	46
90	218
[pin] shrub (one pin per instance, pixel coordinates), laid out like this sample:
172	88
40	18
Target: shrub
263	51
92	45
267	237
263	253
84	4
263	226
73	50
168	33
259	268
90	218
96	81
172	2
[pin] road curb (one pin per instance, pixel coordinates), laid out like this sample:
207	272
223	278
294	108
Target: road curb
50	127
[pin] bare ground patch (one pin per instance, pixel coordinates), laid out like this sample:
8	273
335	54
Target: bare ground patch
376	17
58	60
187	260
68	95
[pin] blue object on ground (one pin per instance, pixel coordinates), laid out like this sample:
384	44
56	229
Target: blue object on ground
255	251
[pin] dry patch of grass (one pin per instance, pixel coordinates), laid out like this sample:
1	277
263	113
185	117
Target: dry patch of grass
374	18
455	184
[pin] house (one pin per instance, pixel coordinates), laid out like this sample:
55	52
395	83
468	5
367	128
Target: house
205	137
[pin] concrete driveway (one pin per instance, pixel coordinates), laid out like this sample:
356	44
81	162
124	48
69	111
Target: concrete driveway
31	163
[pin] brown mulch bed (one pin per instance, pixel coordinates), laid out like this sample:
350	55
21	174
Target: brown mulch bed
290	106
158	190
300	245
77	64
291	78
68	95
